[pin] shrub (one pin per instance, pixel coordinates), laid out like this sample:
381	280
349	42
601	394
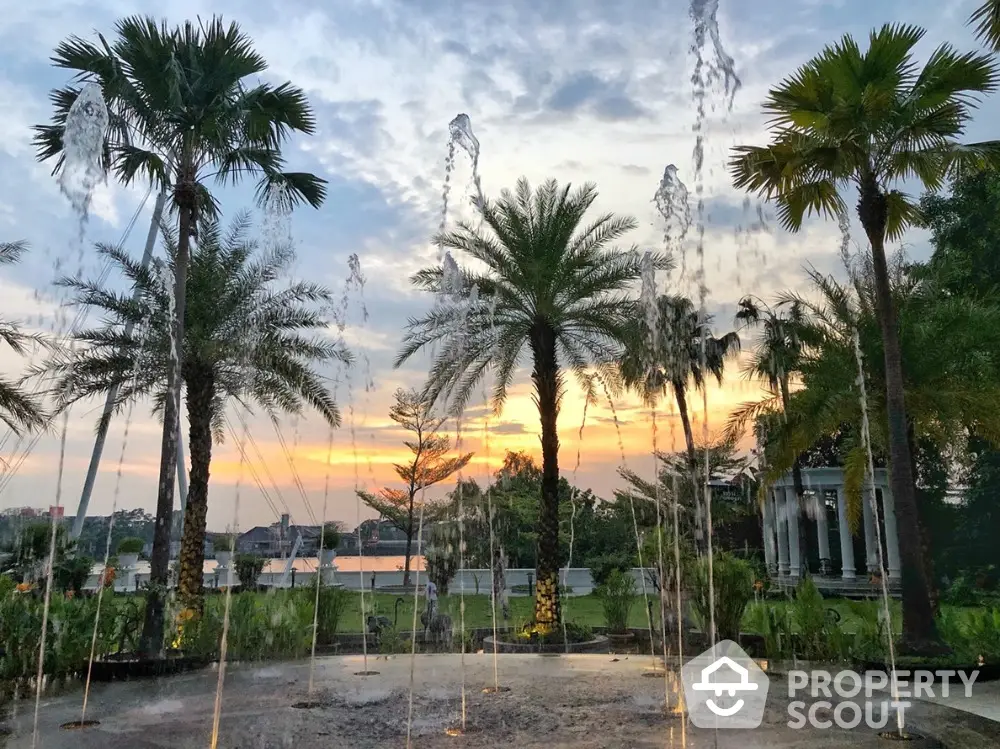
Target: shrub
820	637
333	602
248	569
224	542
733	585
130	545
71	573
603	565
617	597
331	537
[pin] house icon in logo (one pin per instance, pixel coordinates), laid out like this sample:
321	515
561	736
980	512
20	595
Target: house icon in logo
724	688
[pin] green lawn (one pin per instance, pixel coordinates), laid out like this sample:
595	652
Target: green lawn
582	610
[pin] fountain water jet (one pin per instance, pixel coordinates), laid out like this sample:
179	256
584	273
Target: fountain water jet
224	641
107	557
83	150
635	521
708	72
49	575
460	133
870	476
319	570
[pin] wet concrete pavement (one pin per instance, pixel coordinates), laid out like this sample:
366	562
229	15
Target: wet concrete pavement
582	701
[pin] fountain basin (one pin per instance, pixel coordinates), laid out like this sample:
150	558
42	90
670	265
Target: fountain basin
599	644
126	667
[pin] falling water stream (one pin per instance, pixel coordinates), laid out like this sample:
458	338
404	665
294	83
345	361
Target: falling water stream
320	571
82	170
227	606
107	557
635	524
709	71
870	481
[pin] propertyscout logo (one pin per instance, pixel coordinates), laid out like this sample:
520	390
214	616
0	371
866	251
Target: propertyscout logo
725	688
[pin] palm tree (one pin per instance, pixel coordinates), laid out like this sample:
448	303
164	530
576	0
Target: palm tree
550	284
868	120
182	113
986	19
244	341
949	347
18	410
684	353
776	356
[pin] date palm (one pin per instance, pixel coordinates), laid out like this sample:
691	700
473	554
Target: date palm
245	340
183	113
866	120
18	410
550	286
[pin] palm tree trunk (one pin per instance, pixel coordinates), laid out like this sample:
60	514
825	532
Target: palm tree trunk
925	535
409	541
680	395
919	631
200	395
151	644
546	379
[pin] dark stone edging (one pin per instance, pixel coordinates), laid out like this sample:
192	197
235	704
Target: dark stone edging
597	645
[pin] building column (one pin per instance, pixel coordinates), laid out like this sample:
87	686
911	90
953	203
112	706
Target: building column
823	533
770	549
846	542
792	512
778	509
871	551
891	534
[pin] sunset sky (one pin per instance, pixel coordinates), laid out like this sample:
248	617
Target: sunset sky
586	90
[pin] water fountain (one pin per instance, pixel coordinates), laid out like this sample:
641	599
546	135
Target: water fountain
534	684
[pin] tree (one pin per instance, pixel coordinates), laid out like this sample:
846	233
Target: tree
869	120
182	113
415	413
776	356
245	340
949	350
18	410
683	352
550	284
965	233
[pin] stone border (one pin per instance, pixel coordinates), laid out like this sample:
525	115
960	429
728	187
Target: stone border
598	645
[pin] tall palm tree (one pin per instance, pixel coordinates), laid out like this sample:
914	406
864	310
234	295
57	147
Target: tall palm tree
183	112
245	340
775	357
549	284
684	353
868	120
18	410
